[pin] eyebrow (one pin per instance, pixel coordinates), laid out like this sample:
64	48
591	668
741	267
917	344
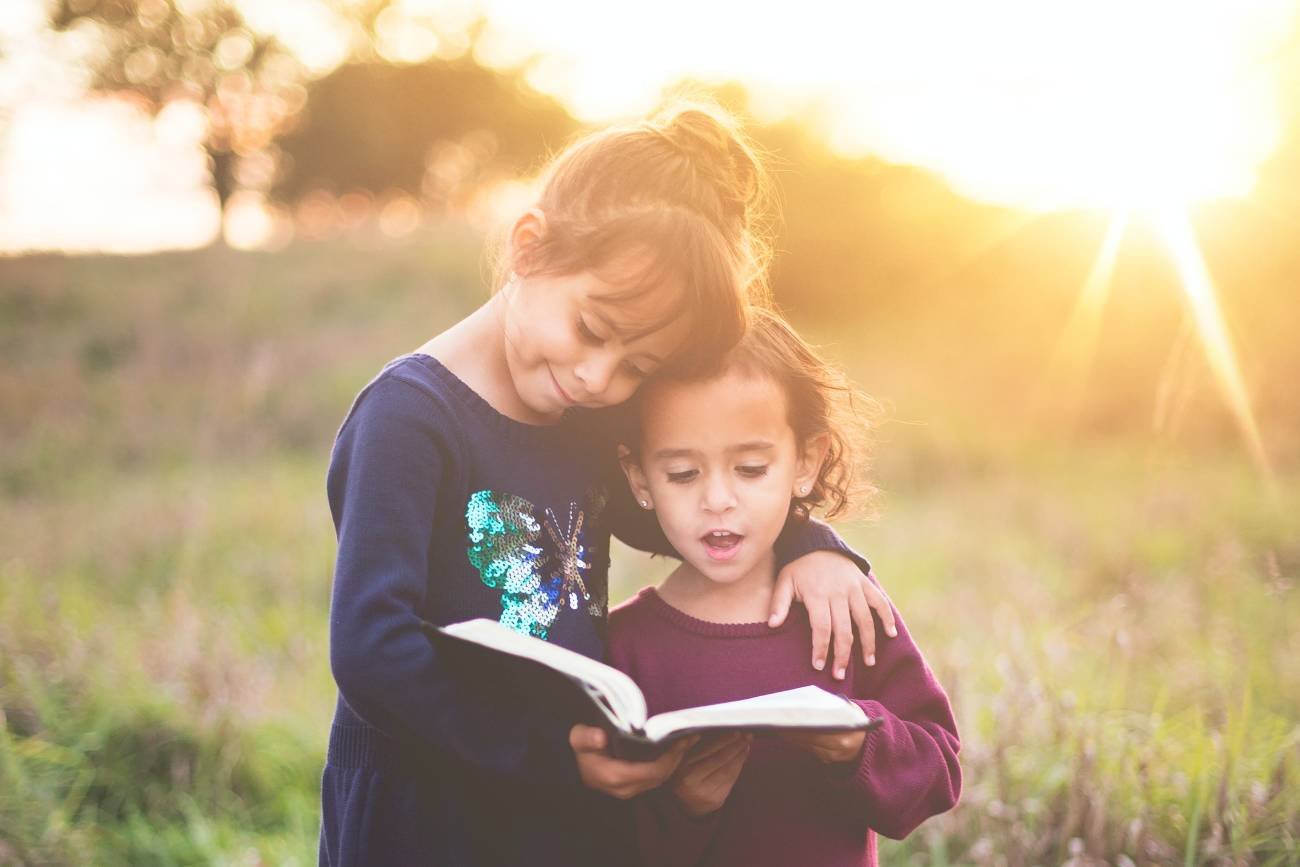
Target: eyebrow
754	446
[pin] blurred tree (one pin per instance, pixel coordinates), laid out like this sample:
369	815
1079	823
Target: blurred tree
164	50
437	129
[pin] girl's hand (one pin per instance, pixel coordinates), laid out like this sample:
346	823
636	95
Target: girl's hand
706	776
837	595
616	777
829	747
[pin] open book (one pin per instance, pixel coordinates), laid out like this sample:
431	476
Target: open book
620	707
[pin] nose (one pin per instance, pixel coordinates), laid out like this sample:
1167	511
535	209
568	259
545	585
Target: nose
595	372
718	495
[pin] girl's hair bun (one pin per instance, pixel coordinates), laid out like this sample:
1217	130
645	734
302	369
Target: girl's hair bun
720	152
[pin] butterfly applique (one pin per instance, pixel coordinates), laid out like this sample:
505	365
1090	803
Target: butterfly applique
539	566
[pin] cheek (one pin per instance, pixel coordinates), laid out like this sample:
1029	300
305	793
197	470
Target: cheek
771	498
673	503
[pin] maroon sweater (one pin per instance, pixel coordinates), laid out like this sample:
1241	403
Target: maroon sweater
787	807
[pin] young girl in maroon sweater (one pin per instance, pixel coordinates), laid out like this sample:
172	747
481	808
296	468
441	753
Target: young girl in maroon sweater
724	461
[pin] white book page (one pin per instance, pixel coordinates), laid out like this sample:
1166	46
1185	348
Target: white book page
619	691
807	706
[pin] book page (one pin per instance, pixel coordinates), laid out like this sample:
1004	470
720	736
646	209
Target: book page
805	707
620	694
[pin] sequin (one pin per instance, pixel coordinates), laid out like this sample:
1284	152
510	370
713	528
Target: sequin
535	572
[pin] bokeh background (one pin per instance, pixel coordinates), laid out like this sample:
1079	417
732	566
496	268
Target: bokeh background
1056	240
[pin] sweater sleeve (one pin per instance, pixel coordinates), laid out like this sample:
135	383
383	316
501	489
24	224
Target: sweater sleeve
388	464
908	769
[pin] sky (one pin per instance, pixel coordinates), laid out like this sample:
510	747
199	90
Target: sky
1035	104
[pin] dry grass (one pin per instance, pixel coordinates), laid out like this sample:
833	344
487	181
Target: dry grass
1115	616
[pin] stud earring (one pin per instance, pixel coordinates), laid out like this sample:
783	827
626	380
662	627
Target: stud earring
803	489
644	504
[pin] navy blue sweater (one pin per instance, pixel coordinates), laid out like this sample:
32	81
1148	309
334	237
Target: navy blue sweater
447	510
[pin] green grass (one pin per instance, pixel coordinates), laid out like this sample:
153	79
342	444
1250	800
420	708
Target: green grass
1115	616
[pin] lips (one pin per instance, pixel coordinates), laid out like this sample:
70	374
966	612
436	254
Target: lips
721	544
559	389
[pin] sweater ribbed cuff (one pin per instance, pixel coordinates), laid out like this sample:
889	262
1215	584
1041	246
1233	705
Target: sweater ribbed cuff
857	778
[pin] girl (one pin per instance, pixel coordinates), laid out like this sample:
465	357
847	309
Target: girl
469	479
725	461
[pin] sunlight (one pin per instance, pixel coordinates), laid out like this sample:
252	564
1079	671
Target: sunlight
1045	106
1055	106
1180	239
1069	367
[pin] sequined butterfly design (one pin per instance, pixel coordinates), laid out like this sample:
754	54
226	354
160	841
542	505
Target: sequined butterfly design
538	566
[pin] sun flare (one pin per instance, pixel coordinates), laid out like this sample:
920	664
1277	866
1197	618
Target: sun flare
1180	239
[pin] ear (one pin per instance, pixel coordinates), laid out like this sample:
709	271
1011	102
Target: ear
635	477
524	235
811	457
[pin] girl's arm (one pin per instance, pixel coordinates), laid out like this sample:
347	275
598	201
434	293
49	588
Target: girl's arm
815	565
906	770
388	467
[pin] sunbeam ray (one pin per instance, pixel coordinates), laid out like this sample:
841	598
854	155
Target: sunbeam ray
1068	371
1179	237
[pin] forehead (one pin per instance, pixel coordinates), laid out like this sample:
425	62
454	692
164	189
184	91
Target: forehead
713	414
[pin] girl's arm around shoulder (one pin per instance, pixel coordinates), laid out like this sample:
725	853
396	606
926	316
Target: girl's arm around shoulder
394	457
908	769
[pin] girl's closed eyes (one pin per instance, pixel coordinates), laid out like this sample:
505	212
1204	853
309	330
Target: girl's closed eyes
592	338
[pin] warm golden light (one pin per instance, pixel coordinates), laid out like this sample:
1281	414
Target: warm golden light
1046	106
1068	370
1180	239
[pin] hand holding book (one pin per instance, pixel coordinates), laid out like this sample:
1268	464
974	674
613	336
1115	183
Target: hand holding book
610	698
621	778
830	748
708	773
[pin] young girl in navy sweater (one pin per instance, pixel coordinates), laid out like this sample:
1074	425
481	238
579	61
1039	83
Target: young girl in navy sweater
726	461
472	479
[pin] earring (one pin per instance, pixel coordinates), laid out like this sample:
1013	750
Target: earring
644	504
803	490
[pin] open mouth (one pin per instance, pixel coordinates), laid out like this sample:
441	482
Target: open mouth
721	544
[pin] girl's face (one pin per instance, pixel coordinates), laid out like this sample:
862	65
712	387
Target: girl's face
719	464
567	345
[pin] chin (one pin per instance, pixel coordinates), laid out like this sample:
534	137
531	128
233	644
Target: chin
729	574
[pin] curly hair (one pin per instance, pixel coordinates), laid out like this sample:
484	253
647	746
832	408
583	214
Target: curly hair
819	401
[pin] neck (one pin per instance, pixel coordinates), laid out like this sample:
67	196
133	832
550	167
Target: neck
475	350
746	600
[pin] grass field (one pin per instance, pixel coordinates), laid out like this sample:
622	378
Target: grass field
1114	614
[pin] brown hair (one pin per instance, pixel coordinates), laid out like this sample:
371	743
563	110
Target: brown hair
819	400
682	196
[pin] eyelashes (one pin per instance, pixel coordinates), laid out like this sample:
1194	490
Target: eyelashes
591	338
748	471
587	334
